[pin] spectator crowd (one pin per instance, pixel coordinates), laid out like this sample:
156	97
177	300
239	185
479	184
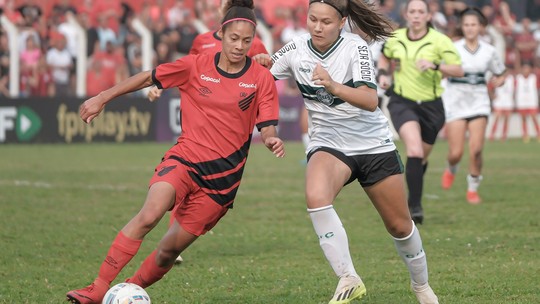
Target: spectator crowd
48	40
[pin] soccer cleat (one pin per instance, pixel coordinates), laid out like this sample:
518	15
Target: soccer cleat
425	295
417	214
348	289
179	260
473	197
447	179
92	294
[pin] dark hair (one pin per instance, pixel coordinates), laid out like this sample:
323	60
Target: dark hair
363	16
473	11
238	9
470	11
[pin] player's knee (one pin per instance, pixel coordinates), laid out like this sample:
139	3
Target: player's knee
399	229
148	220
166	256
316	199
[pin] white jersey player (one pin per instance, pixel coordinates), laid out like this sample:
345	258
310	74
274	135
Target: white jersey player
503	105
350	138
467	97
527	99
467	103
333	122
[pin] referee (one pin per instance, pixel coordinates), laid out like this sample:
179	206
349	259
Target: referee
418	56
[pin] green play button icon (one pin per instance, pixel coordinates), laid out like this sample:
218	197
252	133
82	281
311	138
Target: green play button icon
28	124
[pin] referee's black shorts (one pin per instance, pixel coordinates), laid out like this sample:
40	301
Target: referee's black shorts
429	114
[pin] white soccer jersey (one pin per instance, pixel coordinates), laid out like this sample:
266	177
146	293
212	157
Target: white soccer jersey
504	95
526	92
333	122
467	96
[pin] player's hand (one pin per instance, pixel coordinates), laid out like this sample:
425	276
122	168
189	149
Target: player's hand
154	94
91	108
275	144
497	81
424	65
321	77
263	59
385	81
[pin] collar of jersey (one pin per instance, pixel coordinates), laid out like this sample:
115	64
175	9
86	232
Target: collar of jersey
330	50
229	75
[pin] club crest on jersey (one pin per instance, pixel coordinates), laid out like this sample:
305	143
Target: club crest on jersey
324	97
204	91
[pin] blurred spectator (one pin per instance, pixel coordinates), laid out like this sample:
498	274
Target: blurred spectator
525	43
29	12
40	81
104	32
70	31
60	63
504	20
4	64
113	64
92	38
438	19
178	15
31	54
527	99
95	77
295	26
59	11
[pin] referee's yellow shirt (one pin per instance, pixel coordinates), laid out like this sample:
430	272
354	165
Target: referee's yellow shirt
409	81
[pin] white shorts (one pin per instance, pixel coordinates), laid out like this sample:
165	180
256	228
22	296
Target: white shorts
465	101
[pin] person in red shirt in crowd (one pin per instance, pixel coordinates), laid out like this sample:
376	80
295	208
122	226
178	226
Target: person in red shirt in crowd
525	43
41	81
224	95
211	42
113	64
95	76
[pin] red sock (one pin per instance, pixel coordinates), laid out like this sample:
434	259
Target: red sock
149	272
120	253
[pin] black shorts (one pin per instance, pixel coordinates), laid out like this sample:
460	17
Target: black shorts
429	114
368	169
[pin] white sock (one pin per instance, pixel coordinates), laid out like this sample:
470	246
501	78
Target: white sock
473	182
411	251
305	139
453	168
333	240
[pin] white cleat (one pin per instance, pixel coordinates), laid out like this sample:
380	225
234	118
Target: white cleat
179	260
425	295
348	289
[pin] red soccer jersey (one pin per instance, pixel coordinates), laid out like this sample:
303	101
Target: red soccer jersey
211	42
219	111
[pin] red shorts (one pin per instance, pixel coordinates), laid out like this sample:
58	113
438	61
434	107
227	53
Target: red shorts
527	111
194	210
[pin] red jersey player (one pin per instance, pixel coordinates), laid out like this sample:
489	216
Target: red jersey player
224	95
211	42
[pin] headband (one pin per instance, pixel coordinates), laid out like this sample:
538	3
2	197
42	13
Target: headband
329	3
239	19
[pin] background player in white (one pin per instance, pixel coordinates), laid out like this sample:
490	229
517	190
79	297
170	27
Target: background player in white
527	99
350	138
503	105
466	101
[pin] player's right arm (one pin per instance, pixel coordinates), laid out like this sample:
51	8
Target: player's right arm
384	75
93	106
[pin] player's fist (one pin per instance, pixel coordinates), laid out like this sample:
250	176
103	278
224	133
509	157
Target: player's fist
264	60
91	108
154	93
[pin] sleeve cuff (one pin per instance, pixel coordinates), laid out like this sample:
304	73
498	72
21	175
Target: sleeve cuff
155	81
266	124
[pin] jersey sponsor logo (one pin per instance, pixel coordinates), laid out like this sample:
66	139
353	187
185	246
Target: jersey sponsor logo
324	97
284	50
210	79
166	170
247	85
204	91
304	70
208	45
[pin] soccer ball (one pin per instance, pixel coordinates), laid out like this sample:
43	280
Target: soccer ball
126	293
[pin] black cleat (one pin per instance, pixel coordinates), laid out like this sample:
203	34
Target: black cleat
417	215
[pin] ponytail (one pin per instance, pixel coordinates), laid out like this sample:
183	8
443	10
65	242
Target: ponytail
363	16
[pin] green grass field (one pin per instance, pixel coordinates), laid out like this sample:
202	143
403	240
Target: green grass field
62	205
